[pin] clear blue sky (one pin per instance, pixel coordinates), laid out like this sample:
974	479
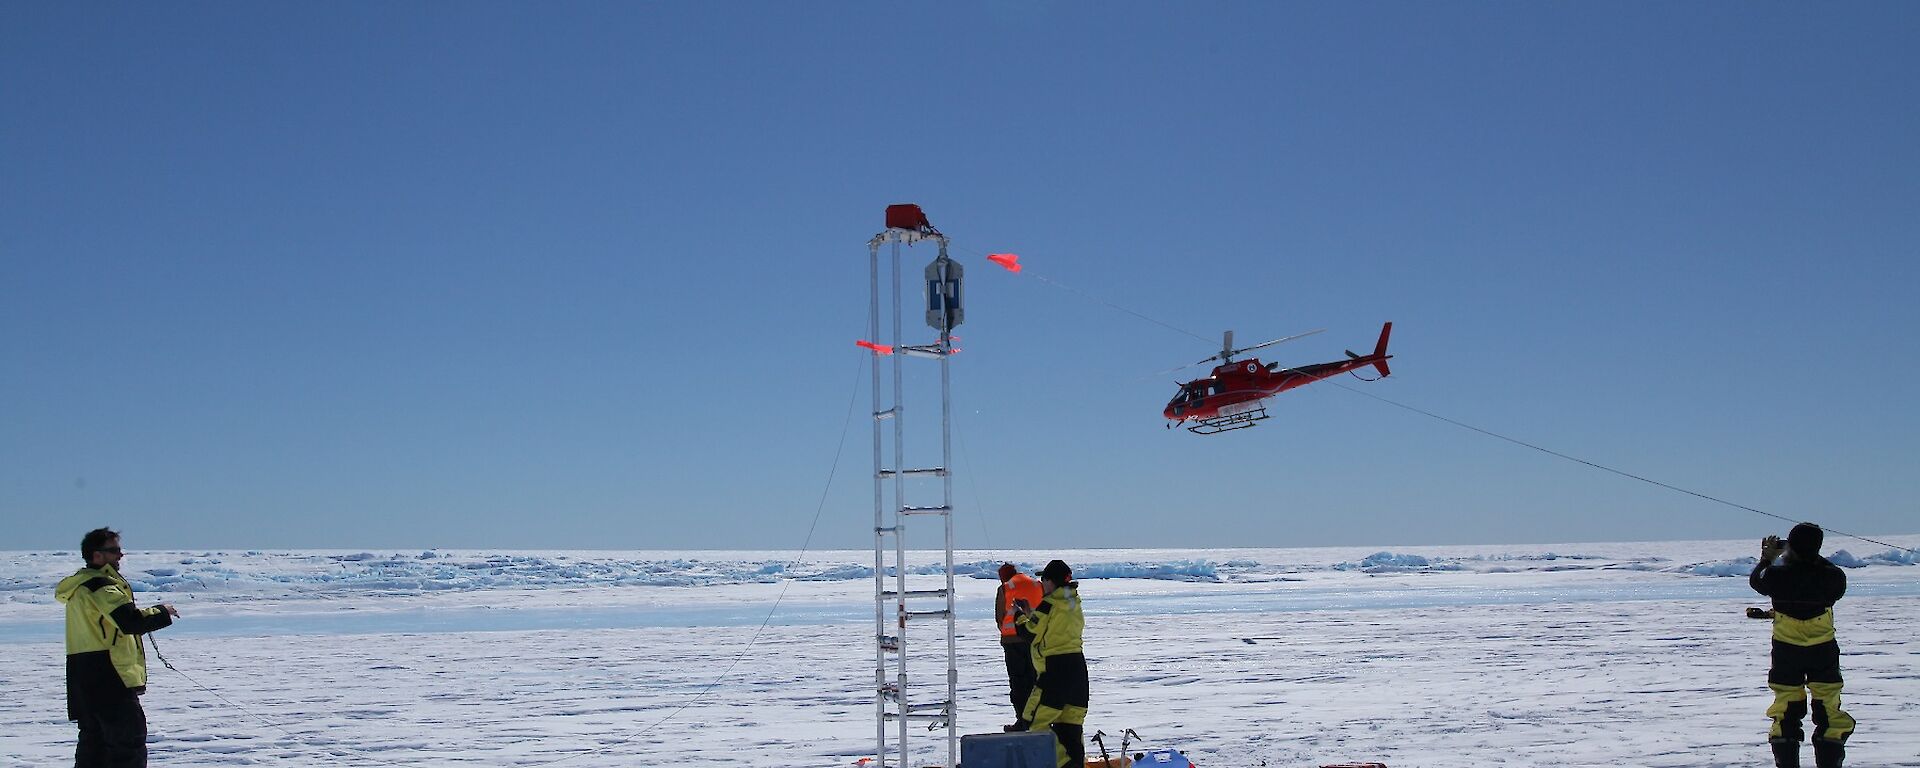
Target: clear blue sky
588	274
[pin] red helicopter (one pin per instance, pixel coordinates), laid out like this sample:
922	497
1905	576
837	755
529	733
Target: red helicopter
1234	396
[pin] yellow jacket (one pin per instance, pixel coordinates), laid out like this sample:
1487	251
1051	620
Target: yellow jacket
1055	625
103	627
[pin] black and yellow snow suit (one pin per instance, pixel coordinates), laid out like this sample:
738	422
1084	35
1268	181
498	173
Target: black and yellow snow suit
1060	692
107	666
1806	655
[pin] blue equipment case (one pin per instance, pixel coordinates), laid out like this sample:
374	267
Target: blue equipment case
1163	758
1023	749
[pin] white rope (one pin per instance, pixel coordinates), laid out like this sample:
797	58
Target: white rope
805	546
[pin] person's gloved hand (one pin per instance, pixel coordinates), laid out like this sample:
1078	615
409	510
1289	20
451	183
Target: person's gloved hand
1770	548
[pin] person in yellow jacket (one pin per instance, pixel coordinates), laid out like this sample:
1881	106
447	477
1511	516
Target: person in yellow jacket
106	661
1806	656
1059	699
1017	649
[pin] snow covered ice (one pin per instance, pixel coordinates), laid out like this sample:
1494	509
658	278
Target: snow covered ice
1569	655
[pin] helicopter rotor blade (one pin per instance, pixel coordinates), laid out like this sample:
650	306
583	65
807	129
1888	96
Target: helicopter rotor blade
1204	361
1276	341
1179	368
1227	351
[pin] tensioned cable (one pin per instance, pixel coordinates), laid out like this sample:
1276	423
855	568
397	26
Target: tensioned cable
805	546
1090	297
1096	299
839	449
1488	433
291	736
973	485
1605	468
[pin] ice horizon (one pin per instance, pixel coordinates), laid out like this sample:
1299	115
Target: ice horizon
293	572
1599	654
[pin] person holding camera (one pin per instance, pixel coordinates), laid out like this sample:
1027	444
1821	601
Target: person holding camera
1806	655
1060	691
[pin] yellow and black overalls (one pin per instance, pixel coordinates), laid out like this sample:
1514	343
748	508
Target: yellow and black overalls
1806	657
1059	699
107	666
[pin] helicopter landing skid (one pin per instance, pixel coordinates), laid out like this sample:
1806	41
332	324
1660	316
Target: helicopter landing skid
1219	424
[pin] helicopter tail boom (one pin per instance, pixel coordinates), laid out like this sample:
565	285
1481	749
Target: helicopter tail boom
1380	350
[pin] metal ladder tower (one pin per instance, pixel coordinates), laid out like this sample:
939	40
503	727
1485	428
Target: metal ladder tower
896	702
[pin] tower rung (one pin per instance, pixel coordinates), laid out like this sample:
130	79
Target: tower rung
935	716
928	472
940	510
888	529
915	593
929	705
884	415
925	614
924	350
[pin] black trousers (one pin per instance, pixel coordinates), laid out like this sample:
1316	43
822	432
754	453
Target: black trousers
1019	674
113	733
1796	672
1061	703
1070	737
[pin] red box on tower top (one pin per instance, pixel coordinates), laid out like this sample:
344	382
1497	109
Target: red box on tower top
907	216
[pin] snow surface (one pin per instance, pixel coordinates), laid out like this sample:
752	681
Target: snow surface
1569	655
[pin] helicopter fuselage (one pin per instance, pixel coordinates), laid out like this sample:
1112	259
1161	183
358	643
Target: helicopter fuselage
1237	386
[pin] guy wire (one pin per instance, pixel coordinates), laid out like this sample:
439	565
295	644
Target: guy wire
1605	468
974	486
832	471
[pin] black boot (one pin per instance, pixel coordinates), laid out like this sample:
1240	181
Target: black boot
1786	754
1828	754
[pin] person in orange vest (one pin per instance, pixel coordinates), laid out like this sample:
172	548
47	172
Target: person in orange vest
1015	585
